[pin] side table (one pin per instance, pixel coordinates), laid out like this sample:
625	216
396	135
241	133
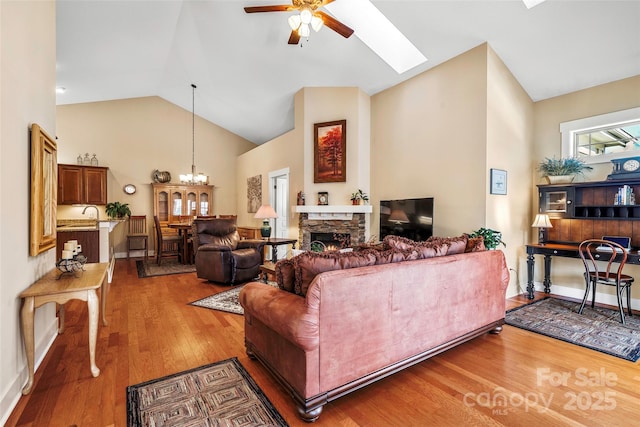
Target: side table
274	242
268	271
59	289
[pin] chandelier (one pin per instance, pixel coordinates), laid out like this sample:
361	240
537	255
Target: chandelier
193	177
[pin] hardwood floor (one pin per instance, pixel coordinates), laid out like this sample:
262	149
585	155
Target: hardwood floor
532	380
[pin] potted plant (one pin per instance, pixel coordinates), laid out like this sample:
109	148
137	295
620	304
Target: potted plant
492	238
562	170
117	210
359	197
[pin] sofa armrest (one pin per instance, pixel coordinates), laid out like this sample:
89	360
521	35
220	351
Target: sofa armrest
210	247
285	313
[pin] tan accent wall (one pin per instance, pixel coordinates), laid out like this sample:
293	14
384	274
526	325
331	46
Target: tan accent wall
133	137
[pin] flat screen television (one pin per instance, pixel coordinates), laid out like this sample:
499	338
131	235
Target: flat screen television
410	218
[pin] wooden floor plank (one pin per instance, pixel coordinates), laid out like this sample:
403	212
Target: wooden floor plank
153	332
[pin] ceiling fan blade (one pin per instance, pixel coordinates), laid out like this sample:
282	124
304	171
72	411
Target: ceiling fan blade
280	8
334	24
294	38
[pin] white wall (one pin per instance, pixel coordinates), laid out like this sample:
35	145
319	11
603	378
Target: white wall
27	93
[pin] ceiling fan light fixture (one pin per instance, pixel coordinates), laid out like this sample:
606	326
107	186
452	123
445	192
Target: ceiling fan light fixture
304	30
316	23
294	22
306	15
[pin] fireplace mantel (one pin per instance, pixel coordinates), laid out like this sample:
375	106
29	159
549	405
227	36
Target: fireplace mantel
335	212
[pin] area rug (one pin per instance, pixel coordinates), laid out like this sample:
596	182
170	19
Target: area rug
151	268
219	394
597	328
224	301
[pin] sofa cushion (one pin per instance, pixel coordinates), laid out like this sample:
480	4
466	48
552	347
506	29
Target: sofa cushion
455	245
394	255
434	246
285	275
475	244
309	264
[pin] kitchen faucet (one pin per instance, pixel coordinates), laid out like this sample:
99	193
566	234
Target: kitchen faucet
97	212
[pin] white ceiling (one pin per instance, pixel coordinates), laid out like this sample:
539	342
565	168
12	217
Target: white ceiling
247	74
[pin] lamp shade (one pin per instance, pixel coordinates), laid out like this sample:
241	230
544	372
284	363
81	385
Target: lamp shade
398	216
266	212
542	221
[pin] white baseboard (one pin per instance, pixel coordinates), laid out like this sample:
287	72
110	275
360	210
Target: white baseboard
576	293
14	391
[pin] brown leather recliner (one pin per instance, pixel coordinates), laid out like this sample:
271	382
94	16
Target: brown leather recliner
221	256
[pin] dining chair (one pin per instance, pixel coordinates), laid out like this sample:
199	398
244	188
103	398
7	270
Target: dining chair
602	271
166	245
138	234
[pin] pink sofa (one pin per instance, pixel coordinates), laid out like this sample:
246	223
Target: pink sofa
358	325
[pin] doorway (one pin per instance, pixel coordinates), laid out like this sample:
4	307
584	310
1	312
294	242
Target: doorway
279	199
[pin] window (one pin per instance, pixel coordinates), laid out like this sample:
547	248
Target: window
599	139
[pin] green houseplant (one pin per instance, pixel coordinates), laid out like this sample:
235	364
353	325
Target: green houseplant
492	238
563	169
117	210
359	196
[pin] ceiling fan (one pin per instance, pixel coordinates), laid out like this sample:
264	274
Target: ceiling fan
309	16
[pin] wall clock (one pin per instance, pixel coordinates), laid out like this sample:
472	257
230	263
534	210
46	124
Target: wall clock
129	188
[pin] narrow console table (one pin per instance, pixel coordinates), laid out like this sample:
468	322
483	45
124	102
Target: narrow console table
549	250
52	287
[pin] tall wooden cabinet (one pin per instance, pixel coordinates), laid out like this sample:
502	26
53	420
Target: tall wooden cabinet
173	201
82	185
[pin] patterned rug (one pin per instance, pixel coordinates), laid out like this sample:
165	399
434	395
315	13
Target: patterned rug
220	394
171	266
597	328
224	301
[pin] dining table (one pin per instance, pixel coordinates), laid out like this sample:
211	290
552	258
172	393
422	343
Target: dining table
183	230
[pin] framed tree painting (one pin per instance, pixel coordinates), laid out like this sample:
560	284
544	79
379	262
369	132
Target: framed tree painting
330	151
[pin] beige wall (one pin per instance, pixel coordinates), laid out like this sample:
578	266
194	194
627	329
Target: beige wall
428	139
615	96
294	150
133	137
27	82
509	139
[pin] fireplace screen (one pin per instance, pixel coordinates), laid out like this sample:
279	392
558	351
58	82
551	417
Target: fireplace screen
329	241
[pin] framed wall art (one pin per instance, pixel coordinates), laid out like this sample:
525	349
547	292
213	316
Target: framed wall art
330	152
44	187
498	181
254	193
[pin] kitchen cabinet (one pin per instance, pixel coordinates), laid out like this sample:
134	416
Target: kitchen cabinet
82	185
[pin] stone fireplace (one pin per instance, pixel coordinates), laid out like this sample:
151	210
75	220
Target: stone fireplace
335	231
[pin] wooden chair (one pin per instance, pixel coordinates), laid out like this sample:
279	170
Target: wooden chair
605	272
138	233
228	216
166	245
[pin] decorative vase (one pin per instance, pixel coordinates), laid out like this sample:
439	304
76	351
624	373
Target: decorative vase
560	179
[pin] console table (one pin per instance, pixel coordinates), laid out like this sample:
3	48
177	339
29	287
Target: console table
53	287
549	250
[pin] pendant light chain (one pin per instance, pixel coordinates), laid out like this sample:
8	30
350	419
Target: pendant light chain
193	129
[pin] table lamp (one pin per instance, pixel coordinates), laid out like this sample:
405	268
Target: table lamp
265	213
541	222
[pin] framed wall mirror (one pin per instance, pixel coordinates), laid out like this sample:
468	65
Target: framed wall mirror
44	164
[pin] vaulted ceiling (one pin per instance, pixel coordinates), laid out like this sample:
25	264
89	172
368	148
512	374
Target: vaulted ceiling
247	74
